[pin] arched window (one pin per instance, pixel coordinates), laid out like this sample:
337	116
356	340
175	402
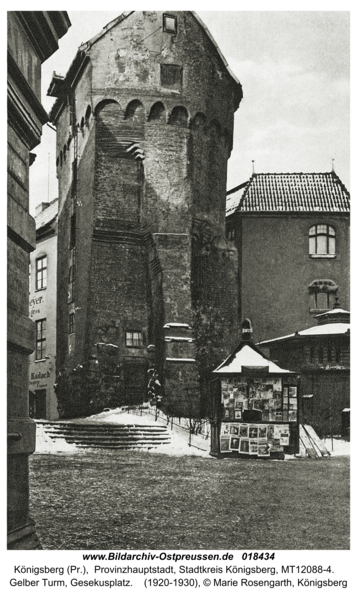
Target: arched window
322	294
322	241
88	114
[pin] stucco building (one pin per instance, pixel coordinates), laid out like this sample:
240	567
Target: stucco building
146	276
292	235
42	306
32	38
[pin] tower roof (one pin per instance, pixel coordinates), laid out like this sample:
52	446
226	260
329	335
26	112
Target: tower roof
59	84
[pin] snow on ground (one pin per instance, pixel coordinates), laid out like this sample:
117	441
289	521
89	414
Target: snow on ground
179	438
117	416
179	441
178	446
338	447
46	445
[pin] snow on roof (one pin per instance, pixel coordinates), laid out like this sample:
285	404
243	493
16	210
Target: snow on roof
180	359
334	311
327	329
168	325
248	357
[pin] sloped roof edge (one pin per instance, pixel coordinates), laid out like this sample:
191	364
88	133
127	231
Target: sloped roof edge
249	188
107	27
126	14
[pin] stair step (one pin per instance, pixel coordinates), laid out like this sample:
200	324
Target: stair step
107	435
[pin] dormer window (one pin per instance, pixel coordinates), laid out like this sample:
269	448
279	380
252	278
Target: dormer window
322	241
169	24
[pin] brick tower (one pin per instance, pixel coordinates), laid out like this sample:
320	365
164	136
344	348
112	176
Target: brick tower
146	276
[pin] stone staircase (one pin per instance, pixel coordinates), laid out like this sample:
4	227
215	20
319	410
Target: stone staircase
107	435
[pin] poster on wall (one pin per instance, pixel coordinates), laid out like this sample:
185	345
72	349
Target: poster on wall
282	432
253	447
253	431
243	431
244	446
263	449
225	429
262	432
234	430
225	444
234	443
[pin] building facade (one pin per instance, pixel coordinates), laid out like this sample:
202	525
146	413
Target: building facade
146	276
42	307
32	38
321	354
292	235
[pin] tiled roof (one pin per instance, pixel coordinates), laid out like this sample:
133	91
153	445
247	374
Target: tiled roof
290	192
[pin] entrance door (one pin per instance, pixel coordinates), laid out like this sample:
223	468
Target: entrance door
39	405
135	379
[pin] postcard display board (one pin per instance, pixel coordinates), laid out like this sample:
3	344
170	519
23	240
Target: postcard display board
273	401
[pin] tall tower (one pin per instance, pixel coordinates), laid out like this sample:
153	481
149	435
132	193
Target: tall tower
146	276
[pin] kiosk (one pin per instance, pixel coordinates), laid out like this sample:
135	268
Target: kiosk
255	407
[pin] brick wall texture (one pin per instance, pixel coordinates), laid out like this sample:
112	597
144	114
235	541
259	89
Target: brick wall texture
148	196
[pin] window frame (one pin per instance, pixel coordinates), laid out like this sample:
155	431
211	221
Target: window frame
40	339
42	272
129	335
164	25
71	319
329	234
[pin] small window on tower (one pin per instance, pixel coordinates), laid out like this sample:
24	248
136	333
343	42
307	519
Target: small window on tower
71	323
169	23
134	339
171	77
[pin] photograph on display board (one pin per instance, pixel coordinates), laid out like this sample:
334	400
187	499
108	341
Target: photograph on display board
262	432
292	415
293	391
234	429
270	432
234	443
277	385
275	445
237	414
253	447
226	413
244	446
225	443
253	431
238	404
243	431
225	429
263	449
284	439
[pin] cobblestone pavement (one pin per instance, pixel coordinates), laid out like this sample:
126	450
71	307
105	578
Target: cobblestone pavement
109	499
